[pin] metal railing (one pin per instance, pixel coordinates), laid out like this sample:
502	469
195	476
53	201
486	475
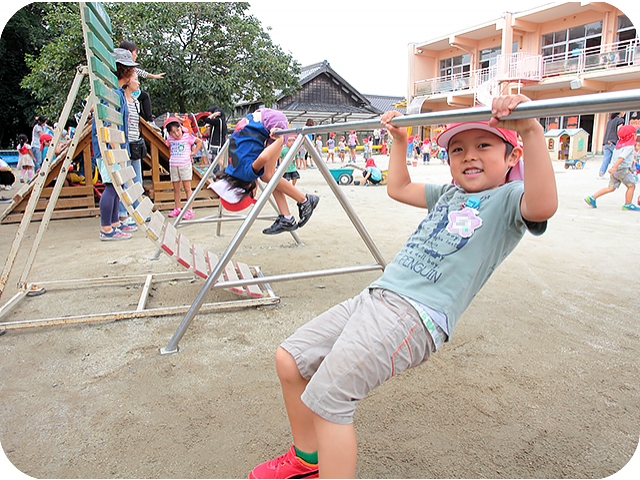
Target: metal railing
612	55
527	66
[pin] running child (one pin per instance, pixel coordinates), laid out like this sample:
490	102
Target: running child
183	146
253	153
327	366
621	170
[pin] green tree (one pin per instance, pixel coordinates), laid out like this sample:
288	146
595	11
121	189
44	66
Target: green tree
23	34
210	52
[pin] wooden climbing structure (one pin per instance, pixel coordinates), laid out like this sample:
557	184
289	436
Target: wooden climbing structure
76	200
138	200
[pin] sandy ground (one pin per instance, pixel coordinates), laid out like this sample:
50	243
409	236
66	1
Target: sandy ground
540	379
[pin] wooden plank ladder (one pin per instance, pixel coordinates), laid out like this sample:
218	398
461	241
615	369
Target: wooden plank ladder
99	48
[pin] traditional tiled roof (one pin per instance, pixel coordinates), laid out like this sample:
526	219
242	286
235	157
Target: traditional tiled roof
385	103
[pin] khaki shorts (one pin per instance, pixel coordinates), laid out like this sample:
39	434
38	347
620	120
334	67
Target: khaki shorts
184	173
625	177
355	346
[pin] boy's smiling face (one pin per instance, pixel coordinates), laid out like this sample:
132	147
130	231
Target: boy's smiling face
477	160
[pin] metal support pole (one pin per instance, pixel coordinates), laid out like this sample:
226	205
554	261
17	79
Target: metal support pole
624	101
172	346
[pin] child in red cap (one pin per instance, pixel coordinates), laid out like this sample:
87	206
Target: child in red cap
372	174
327	366
621	171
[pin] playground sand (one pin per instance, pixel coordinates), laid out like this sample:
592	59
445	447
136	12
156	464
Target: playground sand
540	378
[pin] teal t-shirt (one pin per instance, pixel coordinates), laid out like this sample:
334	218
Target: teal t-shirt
454	250
292	166
376	174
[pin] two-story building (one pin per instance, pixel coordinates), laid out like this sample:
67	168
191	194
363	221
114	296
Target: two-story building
557	50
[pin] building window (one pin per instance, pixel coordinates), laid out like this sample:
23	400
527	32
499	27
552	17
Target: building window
488	57
455	65
626	30
572	41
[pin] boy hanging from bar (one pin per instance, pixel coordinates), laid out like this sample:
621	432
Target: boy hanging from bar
327	366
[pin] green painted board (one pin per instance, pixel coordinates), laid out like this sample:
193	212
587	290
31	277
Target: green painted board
101	14
107	114
105	93
102	71
100	51
98	30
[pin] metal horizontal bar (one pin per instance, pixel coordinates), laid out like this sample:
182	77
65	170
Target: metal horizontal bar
624	101
297	276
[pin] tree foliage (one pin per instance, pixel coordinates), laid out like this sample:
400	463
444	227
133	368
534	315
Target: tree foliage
23	33
211	52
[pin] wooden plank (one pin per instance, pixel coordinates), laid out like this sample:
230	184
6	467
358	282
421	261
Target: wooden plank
103	32
108	114
170	239
105	93
112	135
66	192
199	261
116	156
245	273
155	226
101	14
100	51
212	261
101	71
231	275
133	193
184	251
16	217
125	174
143	210
68	202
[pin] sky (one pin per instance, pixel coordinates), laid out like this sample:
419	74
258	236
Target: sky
367	45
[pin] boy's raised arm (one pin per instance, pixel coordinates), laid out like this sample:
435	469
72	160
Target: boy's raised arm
540	199
399	184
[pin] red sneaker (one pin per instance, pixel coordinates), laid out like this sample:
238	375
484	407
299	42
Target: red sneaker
286	466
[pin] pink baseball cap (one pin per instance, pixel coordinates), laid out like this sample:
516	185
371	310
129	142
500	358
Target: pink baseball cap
444	138
626	136
171	120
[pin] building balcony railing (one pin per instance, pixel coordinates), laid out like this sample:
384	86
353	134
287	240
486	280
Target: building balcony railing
529	67
613	55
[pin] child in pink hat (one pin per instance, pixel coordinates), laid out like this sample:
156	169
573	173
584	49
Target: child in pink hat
328	365
621	171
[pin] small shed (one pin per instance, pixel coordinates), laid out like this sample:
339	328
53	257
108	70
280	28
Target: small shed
567	143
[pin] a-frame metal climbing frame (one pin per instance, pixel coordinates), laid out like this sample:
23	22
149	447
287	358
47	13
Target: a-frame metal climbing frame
597	103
